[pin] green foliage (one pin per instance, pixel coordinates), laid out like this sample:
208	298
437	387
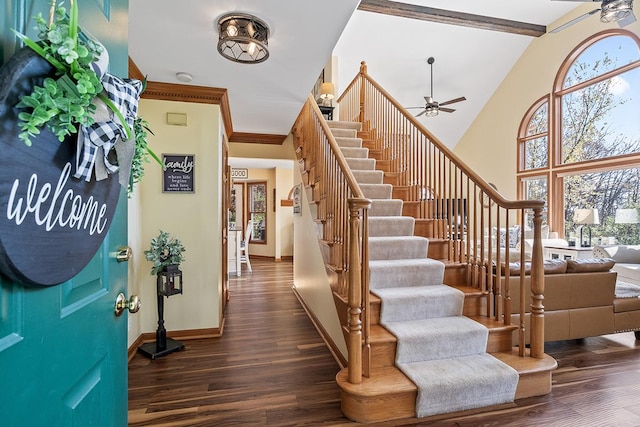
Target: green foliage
61	103
140	155
164	251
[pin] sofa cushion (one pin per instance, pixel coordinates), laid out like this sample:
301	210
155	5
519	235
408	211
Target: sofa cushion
550	266
589	265
629	254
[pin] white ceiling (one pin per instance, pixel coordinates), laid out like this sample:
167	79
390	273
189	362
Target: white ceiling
166	37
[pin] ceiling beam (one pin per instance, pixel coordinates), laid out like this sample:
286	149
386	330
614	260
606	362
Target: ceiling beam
451	17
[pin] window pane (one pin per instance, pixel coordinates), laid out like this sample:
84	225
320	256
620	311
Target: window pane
257	211
536	153
605	191
605	55
539	121
602	120
535	189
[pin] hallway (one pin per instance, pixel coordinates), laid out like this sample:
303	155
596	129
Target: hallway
271	368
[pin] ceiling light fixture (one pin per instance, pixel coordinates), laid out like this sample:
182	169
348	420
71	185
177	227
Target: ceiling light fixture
615	10
184	77
243	38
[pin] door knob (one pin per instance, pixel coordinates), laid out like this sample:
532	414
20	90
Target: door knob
123	254
122	303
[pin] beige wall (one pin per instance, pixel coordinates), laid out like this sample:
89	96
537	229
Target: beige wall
194	218
310	277
489	145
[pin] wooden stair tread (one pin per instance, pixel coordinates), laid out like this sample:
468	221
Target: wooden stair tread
469	290
526	365
383	381
492	324
380	334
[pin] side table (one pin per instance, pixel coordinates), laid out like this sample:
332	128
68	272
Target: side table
567	252
326	111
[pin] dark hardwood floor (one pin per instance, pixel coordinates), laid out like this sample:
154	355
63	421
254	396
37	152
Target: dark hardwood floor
271	368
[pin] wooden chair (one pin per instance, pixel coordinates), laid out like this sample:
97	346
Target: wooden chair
244	247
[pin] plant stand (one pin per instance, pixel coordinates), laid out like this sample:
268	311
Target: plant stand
169	282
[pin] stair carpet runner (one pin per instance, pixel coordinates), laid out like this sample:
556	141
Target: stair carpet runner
439	349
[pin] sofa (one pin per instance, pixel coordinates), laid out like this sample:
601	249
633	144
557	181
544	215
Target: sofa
627	258
581	299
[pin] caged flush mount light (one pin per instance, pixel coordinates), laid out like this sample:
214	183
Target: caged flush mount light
243	38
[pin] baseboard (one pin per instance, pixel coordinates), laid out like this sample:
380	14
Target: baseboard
272	258
187	334
331	345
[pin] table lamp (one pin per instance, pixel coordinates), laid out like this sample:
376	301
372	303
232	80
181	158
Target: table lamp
585	217
327	92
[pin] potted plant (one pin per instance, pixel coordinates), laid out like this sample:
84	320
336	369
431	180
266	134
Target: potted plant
165	252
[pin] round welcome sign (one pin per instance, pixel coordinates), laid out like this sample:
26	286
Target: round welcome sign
51	224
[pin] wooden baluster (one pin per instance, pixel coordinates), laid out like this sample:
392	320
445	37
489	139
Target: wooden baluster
363	72
537	288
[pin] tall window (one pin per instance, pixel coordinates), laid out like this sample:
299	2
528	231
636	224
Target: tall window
257	193
579	148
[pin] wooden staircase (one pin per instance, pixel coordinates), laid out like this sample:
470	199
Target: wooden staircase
387	394
452	207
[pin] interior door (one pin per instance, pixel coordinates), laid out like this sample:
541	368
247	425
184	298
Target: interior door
63	352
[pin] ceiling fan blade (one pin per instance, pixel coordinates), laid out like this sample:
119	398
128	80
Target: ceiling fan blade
630	19
421	113
452	101
446	110
575	21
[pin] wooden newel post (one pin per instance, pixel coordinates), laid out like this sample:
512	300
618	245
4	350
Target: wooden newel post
354	319
363	72
537	288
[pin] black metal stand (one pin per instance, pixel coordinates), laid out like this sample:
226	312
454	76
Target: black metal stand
163	345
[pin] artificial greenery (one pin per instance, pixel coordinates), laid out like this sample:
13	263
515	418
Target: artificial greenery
61	103
165	250
142	150
65	102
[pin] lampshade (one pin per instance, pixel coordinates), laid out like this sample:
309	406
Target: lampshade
615	10
243	38
327	90
586	216
627	216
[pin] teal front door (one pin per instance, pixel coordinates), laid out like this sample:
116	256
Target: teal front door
63	352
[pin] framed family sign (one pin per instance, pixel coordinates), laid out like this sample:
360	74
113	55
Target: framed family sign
178	175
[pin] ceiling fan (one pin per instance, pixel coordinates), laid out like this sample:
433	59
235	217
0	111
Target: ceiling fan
432	107
620	11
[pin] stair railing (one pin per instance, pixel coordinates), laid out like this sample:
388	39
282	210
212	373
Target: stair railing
451	203
342	209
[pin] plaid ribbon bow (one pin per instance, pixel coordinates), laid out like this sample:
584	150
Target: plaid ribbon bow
96	141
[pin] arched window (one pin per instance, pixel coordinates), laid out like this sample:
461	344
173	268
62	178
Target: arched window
579	148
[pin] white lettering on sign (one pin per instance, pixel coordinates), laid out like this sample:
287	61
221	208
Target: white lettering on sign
68	210
185	166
